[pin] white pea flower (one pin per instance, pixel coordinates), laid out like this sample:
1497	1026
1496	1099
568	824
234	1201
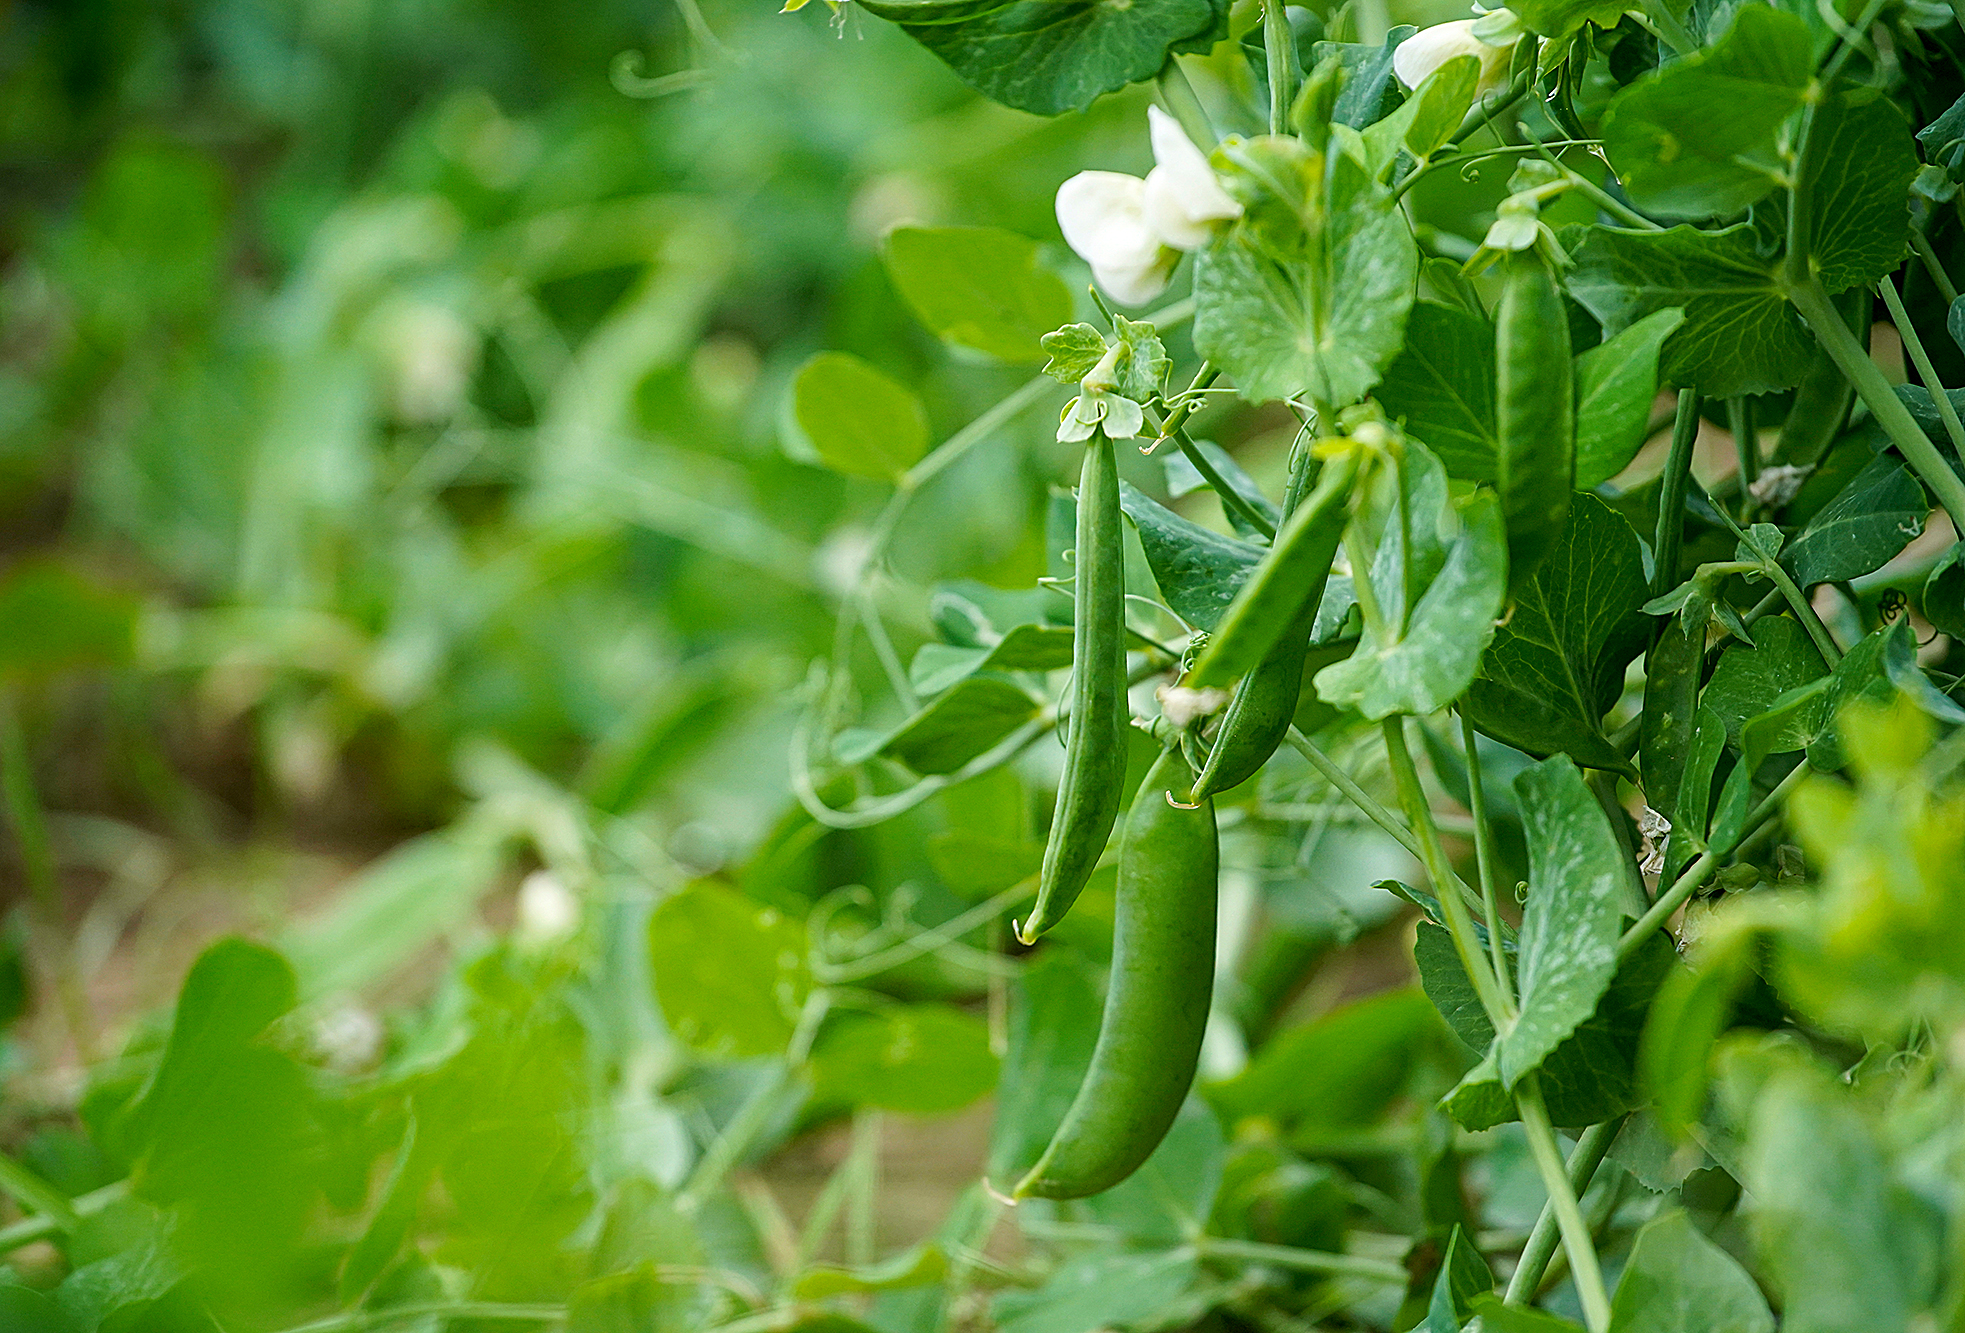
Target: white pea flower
548	910
1131	231
1425	51
1122	418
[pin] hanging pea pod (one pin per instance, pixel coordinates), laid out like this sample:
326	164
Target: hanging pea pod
1156	1006
1290	577
1536	413
1095	736
1264	704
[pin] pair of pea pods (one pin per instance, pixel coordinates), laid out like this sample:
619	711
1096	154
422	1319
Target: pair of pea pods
1162	978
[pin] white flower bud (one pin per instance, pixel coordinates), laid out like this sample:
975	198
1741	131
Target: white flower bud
1425	51
1183	200
1103	216
547	908
1180	705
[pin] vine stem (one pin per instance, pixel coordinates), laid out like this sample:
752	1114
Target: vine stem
1922	360
1671	27
1500	1009
1813	302
1543	1239
1932	265
1484	853
1695	874
1671	499
1575	1231
751	1119
1279	45
1305	1261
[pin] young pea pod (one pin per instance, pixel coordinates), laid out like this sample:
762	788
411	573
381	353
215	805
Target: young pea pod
1156	1005
1095	736
1536	402
1289	578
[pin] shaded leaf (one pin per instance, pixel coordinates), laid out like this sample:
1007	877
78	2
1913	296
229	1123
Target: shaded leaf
1440	387
924	1059
1199	570
960	725
1870	520
1677	1281
1616	384
730	975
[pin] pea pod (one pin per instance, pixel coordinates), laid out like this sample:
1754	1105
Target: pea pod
1536	411
1291	576
1095	733
1156	1005
1264	704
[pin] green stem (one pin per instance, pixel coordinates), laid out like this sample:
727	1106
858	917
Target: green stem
1358	796
1671	497
1601	197
1543	1239
42	1226
1922	244
751	1119
1412	796
1888	410
1230	497
1695	874
1746	447
1576	1242
1189	400
1485	112
1184	106
1922	360
1279	44
1484	854
435	1312
1436	162
1304	1261
951	450
32	1192
1675	33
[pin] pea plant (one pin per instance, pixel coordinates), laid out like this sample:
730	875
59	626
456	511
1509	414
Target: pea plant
1689	813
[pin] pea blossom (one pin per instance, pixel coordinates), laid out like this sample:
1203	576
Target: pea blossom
1493	44
1132	231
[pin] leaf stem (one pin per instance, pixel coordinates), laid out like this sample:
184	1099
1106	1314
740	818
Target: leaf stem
1305	1261
1922	244
1920	358
1889	411
434	1310
1412	796
1279	45
1746	448
1436	162
30	1191
1695	874
1575	1231
1184	106
1484	855
1671	498
1334	774
1670	27
1230	497
1542	1241
1496	105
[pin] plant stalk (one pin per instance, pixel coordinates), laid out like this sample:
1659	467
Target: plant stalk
1484	854
1576	1241
1920	358
1543	1239
1279	45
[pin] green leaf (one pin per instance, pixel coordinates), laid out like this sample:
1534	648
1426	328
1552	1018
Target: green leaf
960	725
1857	181
1099	1290
1441	387
1944	592
1748	680
1573	919
25	1310
980	287
1337	1072
1075	350
923	1059
121	1284
1498	1318
1183	478
1052	56
1143	370
1285	312
730	975
1054	1022
1438	600
1464	1274
1592	1076
1158	1203
1198	569
53	619
857	419
1740	335
931	11
1557	666
1616	384
977	867
918	1266
1698	138
1677	1281
1691	1010
1870	521
1842	1243
1559	18
1370	89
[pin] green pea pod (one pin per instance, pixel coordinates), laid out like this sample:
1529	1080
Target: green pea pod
1290	577
1259	714
1156	1005
1095	733
1536	411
